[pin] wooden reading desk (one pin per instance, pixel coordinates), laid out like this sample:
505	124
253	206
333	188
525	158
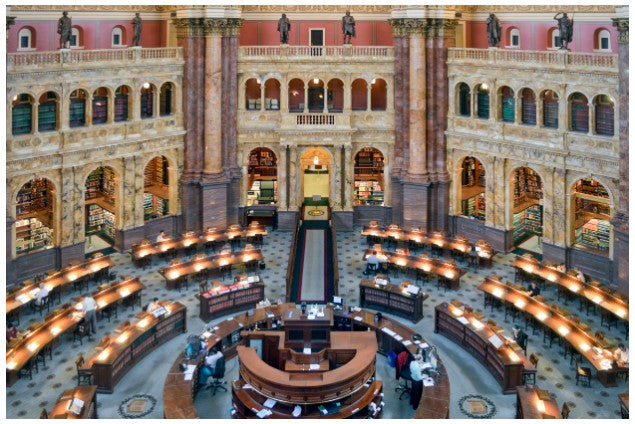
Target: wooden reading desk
536	404
586	344
225	299
88	394
387	297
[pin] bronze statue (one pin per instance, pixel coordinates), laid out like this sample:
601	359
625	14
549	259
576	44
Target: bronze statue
136	30
493	30
284	26
64	30
565	26
348	27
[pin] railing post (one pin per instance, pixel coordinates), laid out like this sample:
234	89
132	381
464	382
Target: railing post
64	56
136	55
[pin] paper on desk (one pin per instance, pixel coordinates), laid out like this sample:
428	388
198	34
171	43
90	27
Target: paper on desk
397	337
311	316
296	411
306	350
206	335
247	386
496	341
424	345
357	309
269	403
425	365
357	318
23	298
387	331
270	315
407	343
263	413
314	367
428	382
463	320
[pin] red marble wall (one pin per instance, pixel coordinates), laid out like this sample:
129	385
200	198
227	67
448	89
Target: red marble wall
265	33
93	34
535	35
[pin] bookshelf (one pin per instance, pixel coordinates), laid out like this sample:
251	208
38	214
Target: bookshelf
368	193
77	112
230	298
121	107
474	207
21	123
527	186
508	107
100	109
591	187
31	234
100	221
47	116
262	192
527	223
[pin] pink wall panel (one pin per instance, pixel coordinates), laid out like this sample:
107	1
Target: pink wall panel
268	34
383	34
249	34
44	39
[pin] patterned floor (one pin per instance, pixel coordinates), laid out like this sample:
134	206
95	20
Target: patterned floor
468	377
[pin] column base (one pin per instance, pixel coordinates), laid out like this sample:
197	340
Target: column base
286	220
150	230
475	230
416	202
71	253
343	220
362	215
596	266
214	203
551	252
620	259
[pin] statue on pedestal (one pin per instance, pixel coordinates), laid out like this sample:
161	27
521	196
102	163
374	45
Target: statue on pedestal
64	30
284	26
348	27
565	26
136	30
493	30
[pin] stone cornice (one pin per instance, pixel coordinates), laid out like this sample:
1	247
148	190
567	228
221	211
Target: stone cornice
200	27
435	27
622	27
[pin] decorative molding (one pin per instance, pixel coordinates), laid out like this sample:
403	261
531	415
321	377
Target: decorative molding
200	27
317	9
622	27
404	27
543	8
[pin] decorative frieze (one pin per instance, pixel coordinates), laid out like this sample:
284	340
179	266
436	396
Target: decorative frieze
200	27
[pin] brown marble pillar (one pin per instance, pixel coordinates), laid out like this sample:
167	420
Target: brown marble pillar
212	135
620	221
430	98
417	165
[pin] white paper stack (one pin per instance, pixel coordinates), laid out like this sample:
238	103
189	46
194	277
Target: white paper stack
270	315
306	350
23	298
269	403
463	320
407	343
296	411
428	382
412	289
424	345
496	341
247	386
357	309
76	406
206	335
189	372
263	413
314	367
397	337
310	316
388	331
357	318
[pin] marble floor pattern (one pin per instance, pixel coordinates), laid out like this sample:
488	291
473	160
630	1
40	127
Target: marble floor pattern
25	399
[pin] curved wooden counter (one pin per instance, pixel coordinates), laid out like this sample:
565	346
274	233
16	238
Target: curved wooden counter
178	393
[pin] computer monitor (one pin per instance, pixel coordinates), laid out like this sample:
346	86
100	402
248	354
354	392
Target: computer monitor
337	300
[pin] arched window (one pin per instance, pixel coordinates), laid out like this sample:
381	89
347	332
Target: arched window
473	189
555	38
122	105
603	40
604	115
252	94
316	95
591	215
34	213
47	112
167	99
378	94
508	104
335	95
579	113
463	102
550	109
514	37
528	107
147	100
262	171
272	94
77	109
359	95
156	184
75	39
482	101
100	106
117	37
22	114
25	39
296	95
369	177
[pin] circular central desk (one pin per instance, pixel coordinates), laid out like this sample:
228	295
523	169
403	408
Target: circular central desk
391	335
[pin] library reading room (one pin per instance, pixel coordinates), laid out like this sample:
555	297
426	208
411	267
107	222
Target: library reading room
317	211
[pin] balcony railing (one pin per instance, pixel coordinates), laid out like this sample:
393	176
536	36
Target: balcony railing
316	51
317	119
91	57
534	59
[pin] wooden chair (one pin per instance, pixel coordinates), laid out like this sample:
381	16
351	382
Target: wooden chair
103	343
84	375
81	331
44	415
565	410
583	373
530	374
202	286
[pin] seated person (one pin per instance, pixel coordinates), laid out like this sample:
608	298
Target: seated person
534	290
41	295
212	358
520	336
12	332
372	263
621	354
580	275
162	237
153	305
416	373
561	268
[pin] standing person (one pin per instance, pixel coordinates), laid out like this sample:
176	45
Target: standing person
348	27
284	26
89	306
417	380
136	30
64	30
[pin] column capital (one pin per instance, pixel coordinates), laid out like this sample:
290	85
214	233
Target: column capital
200	27
405	27
622	27
443	27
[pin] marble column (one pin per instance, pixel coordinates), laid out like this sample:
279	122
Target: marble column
111	108
348	95
444	38
282	178
35	119
338	173
349	177
518	117
417	166
284	96
620	220
368	96
212	163
89	110
591	118
430	99
293	178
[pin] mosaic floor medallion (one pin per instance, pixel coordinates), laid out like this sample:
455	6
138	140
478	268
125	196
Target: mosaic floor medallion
477	406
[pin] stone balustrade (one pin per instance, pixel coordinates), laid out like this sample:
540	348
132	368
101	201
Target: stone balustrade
338	52
557	59
90	58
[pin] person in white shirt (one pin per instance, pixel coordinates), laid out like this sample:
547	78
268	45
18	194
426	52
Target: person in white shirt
89	306
212	358
41	295
580	276
372	263
153	305
621	354
162	237
416	373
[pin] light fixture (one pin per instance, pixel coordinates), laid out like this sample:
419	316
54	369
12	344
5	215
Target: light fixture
173	274
316	80
373	81
585	347
540	404
484	86
541	316
103	355
146	85
563	330
520	304
552	278
597	299
497	292
316	160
